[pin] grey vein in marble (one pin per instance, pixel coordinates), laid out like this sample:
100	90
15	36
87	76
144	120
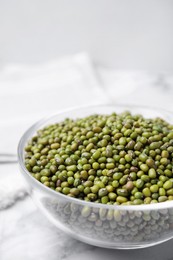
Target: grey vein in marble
162	84
12	187
12	199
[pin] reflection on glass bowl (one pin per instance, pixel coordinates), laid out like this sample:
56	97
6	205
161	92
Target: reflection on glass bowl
110	226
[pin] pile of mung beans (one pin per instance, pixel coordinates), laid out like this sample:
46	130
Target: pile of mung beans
110	159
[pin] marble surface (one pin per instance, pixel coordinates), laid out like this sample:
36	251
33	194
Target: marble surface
25	233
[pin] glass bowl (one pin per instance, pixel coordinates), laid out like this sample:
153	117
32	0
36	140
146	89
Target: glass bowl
109	226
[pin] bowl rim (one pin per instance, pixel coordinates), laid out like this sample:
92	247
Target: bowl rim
33	128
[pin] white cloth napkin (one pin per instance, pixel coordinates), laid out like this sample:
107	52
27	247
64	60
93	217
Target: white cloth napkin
28	93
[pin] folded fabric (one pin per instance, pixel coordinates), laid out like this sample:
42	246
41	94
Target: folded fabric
28	93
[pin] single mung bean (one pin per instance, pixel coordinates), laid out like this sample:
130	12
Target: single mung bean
152	173
102	192
154	188
144	167
168	185
146	192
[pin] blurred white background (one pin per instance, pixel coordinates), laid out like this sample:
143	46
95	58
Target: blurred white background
121	34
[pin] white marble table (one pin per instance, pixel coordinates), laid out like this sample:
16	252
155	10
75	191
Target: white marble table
26	234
